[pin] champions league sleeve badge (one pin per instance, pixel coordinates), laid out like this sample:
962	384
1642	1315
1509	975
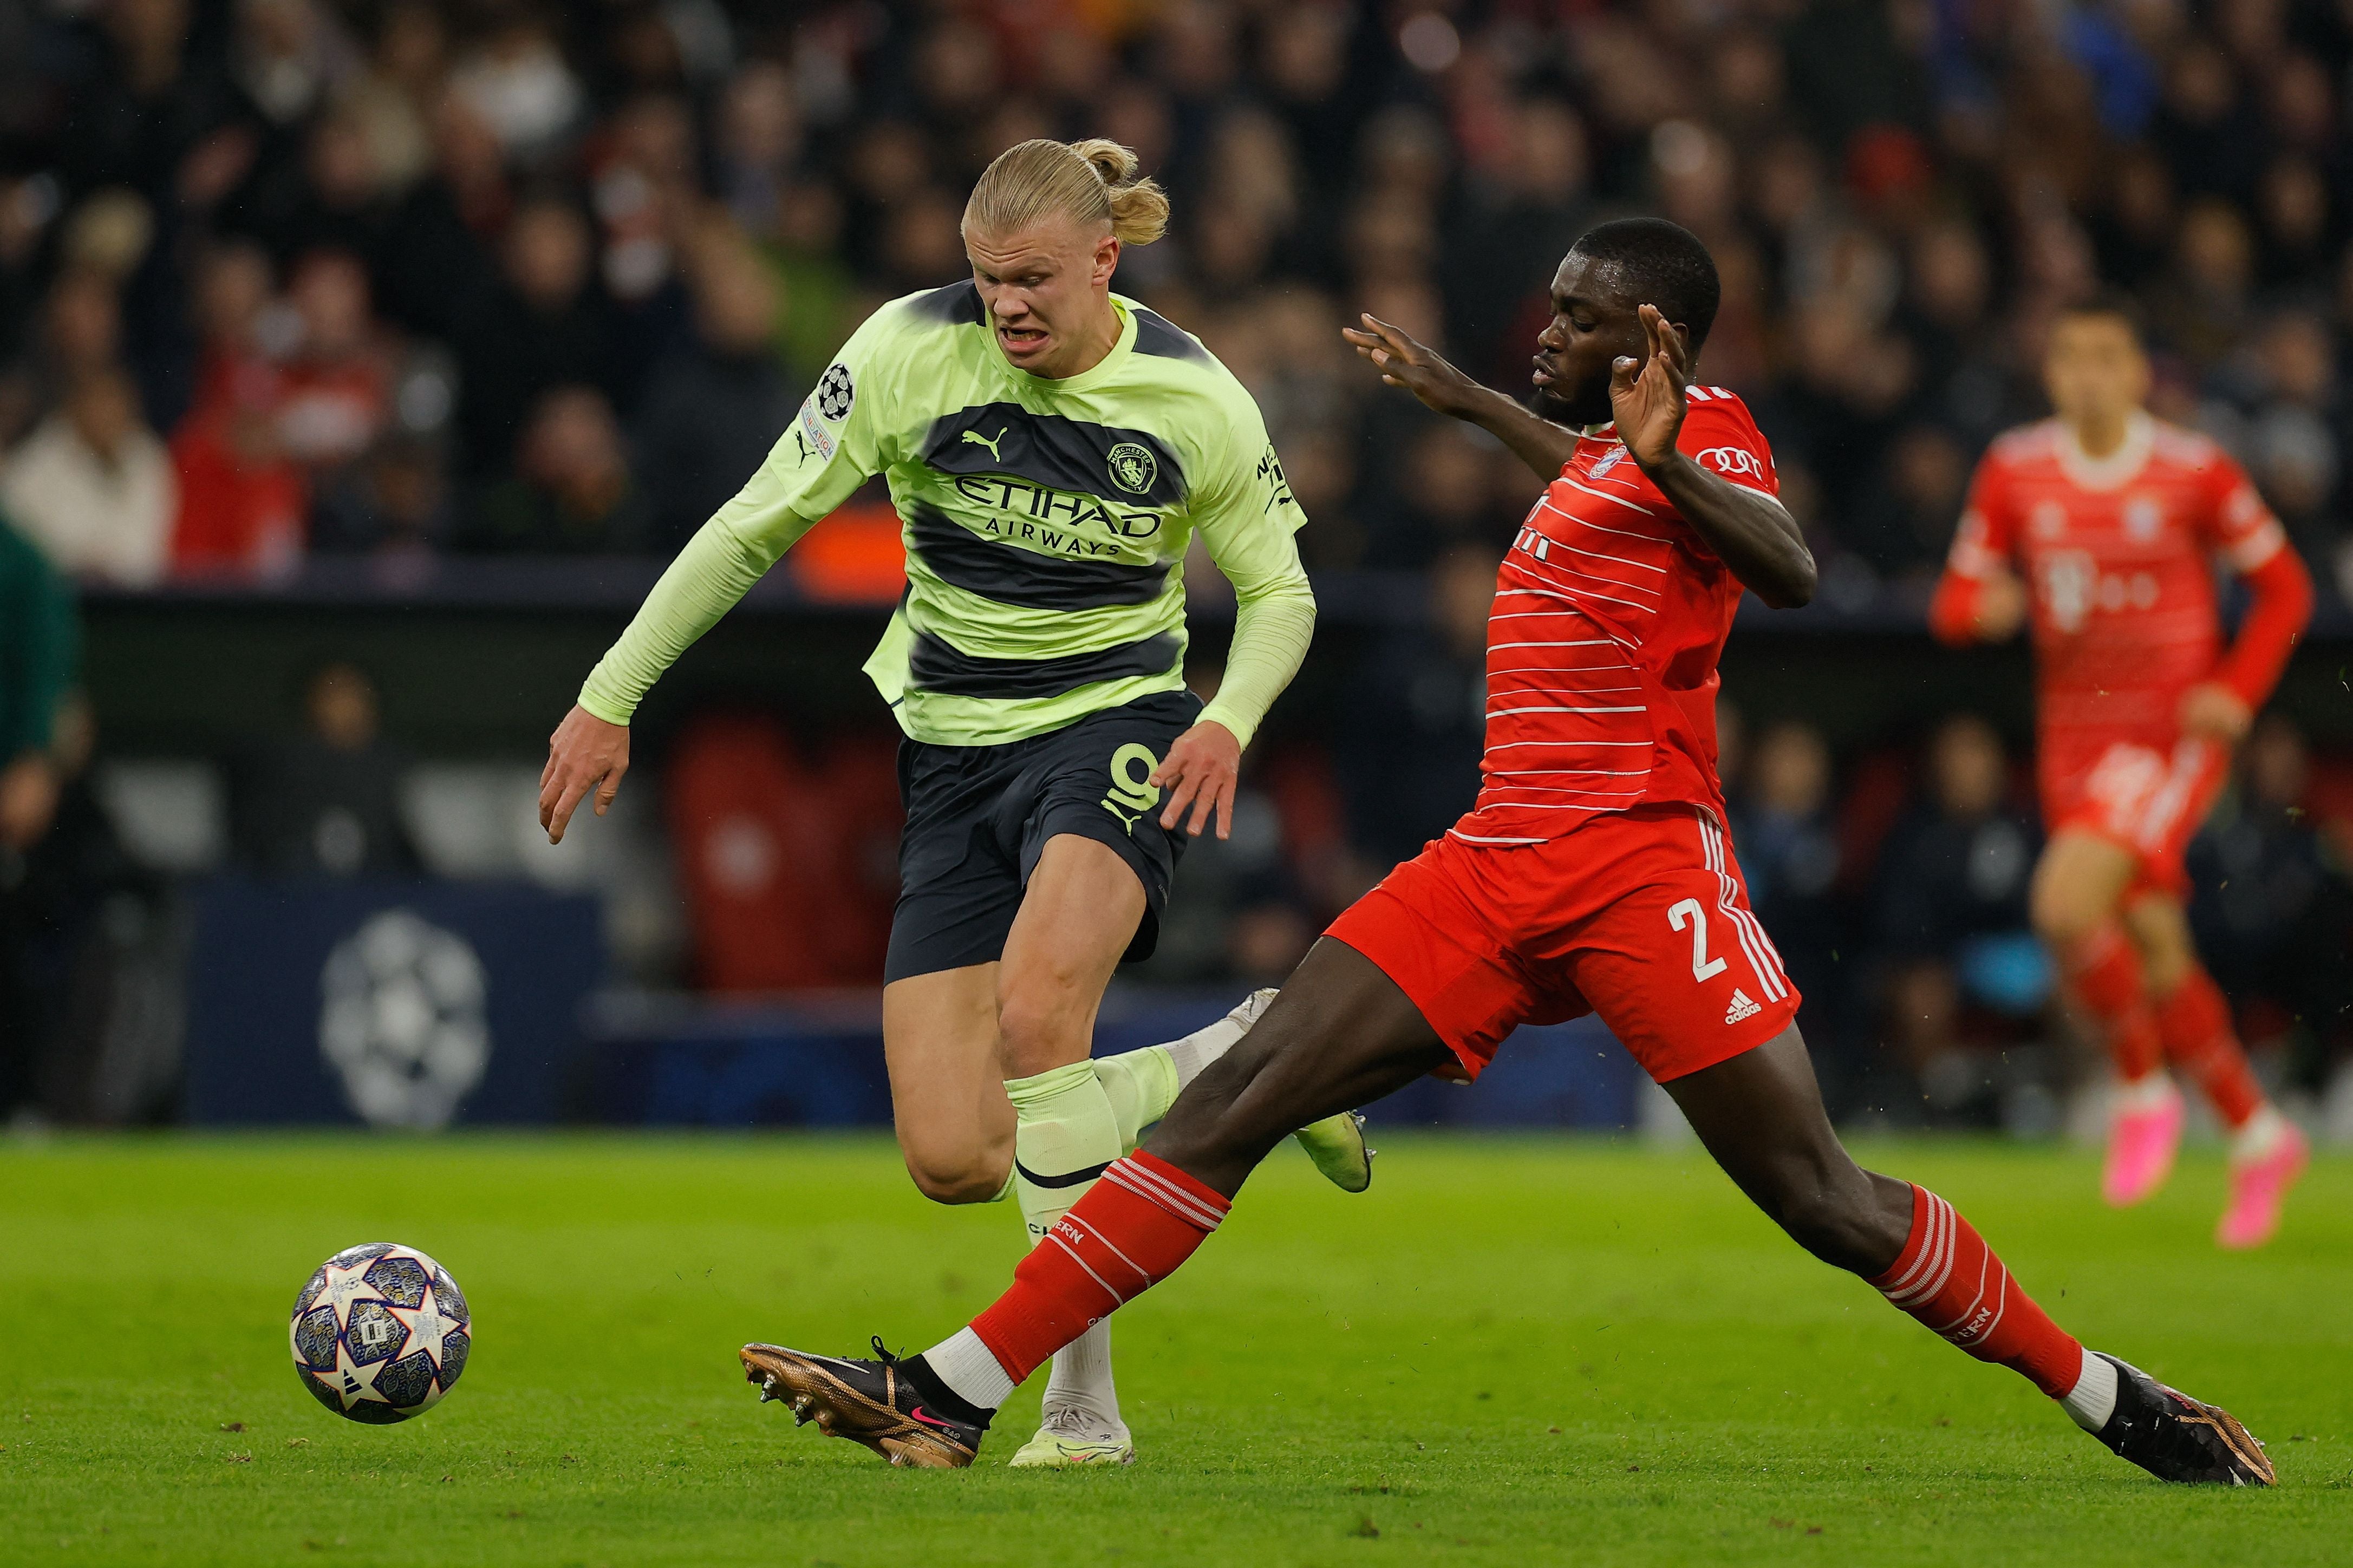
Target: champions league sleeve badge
825	410
835	392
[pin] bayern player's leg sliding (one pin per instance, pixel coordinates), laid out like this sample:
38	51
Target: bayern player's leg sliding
1593	874
1342	1033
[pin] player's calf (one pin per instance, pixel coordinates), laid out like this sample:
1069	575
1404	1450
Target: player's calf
1339	1034
1760	1114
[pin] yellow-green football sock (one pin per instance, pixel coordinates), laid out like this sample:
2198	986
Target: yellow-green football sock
1066	1132
1142	1085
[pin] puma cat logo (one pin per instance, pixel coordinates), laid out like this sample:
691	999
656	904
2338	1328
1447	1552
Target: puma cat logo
978	439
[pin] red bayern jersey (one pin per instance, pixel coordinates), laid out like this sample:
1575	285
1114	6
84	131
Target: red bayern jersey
2118	556
1611	612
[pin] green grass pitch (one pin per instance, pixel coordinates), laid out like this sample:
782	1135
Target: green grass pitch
1509	1352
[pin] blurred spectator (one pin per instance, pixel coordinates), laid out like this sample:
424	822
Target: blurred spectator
334	397
1415	717
326	803
805	251
518	80
93	487
393	502
1895	202
241	496
1244	916
1788	851
1442	498
80	335
716	406
1904	521
546	326
1950	923
571	493
1525	213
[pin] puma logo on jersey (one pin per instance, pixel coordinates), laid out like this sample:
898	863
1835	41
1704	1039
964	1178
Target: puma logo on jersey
1741	1007
978	439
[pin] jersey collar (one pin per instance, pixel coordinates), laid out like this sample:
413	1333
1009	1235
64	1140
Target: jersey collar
2120	467
1086	379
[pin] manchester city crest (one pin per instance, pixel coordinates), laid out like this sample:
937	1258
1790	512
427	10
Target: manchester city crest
1133	468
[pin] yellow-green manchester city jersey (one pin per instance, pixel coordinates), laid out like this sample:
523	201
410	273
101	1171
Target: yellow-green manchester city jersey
1046	521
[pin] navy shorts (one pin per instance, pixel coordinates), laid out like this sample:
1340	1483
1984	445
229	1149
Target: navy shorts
978	817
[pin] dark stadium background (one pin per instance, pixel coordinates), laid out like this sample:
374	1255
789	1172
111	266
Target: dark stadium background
399	345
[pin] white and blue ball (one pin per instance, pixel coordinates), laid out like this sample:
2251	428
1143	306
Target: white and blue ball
381	1333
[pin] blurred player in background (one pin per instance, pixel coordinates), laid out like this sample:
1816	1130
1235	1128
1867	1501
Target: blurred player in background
1593	875
1051	448
2115	521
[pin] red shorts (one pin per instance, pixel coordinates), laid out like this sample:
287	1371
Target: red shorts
1640	916
2147	801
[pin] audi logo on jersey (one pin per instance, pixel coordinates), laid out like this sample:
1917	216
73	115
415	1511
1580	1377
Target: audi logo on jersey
1731	461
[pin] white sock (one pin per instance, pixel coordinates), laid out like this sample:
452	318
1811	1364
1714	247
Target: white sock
2260	1136
967	1367
2093	1398
1202	1046
1081	1375
2148	1092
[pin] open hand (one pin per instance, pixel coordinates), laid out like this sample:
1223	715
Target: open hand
1201	770
2212	711
1405	362
584	753
2001	607
1647	394
29	800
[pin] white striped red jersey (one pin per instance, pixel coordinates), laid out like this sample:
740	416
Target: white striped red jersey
2119	554
1611	612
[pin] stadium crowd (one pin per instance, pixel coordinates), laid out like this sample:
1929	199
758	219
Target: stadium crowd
291	277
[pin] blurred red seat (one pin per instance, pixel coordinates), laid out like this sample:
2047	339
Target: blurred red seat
789	868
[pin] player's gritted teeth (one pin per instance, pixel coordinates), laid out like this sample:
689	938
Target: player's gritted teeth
1020	341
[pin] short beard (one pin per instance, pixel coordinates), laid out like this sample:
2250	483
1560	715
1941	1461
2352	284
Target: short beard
1559	412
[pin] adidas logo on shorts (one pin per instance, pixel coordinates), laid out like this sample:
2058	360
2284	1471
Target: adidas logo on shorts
1741	1007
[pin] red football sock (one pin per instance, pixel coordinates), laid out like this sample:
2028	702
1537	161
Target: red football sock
1950	1279
2105	977
1142	1219
2195	1025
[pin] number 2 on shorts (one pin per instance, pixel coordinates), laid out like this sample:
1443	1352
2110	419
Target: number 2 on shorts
1689	913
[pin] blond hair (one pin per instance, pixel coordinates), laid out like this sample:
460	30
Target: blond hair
1093	181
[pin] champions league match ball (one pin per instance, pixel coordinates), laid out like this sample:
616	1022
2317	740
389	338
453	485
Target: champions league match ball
381	1333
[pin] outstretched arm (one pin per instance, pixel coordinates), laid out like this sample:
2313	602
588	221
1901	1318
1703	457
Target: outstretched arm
590	749
1751	532
1539	443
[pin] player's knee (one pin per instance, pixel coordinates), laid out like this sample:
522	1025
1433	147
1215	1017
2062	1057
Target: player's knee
1837	1224
1040	1025
2062	916
2164	967
947	1177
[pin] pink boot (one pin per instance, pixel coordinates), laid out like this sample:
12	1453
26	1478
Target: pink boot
2258	1186
2142	1140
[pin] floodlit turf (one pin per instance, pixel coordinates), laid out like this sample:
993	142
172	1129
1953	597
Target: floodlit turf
1507	1353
